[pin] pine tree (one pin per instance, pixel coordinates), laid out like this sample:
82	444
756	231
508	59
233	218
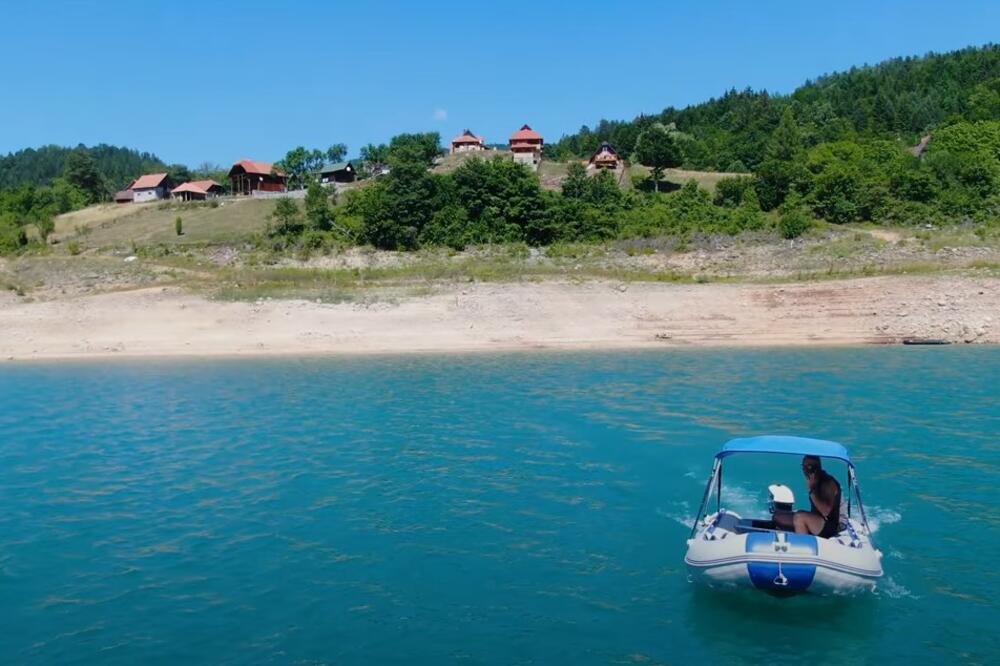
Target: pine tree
786	140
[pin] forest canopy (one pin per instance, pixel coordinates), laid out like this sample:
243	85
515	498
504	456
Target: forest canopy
899	99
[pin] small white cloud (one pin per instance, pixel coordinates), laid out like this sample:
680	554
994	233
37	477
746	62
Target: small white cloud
440	114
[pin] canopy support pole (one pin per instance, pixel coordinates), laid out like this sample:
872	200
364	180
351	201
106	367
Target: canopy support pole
716	470
861	508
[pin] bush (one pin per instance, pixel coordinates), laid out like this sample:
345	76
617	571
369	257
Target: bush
74	247
12	237
287	218
729	191
793	223
179	226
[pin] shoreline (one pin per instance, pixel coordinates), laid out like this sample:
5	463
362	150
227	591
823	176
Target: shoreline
167	323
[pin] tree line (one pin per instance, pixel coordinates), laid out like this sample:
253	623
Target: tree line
899	99
836	149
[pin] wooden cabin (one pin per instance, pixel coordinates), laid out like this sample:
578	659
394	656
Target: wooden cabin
467	142
526	144
339	172
248	176
197	190
605	157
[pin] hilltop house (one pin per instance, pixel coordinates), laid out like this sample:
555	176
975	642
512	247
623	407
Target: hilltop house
151	187
526	144
197	190
467	142
248	176
339	172
605	157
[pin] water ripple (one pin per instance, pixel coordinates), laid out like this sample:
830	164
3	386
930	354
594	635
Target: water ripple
492	509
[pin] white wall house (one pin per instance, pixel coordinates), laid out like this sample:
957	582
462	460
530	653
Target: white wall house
151	187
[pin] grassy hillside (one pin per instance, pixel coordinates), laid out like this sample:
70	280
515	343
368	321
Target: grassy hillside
448	163
106	226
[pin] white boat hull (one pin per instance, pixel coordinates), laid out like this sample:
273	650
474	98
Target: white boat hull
724	554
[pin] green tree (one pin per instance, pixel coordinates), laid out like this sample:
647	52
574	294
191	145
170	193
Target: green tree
838	194
372	154
319	212
12	235
287	218
301	164
449	227
775	180
984	101
502	197
179	173
81	172
729	191
786	141
576	185
748	216
603	190
657	149
336	152
793	223
422	148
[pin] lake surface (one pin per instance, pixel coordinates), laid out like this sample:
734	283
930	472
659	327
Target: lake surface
507	509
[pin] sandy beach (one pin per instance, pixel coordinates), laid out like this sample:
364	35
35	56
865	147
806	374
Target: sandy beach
494	317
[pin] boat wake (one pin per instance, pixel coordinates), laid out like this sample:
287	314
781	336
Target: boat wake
878	517
894	590
682	515
739	499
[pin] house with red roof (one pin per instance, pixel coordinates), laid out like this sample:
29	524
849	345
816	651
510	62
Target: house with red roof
151	187
526	144
197	190
249	176
467	142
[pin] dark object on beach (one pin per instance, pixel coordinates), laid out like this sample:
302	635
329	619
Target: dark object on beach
925	341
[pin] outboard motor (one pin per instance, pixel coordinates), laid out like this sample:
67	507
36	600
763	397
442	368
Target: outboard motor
780	500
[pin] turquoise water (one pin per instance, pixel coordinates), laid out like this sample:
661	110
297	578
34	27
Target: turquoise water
509	509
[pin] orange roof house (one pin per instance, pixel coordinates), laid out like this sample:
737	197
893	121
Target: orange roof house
526	144
605	157
249	176
196	190
150	187
467	142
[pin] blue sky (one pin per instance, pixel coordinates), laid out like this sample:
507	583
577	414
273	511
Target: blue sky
217	81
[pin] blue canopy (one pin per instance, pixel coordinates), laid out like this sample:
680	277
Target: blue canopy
800	446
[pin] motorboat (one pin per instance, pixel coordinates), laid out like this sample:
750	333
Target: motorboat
726	549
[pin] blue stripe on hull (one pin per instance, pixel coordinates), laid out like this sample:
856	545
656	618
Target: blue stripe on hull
781	577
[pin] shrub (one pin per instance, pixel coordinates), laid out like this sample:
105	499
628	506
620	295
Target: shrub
179	226
729	191
449	227
74	247
793	223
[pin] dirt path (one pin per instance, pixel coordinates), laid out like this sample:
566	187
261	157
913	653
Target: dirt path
485	317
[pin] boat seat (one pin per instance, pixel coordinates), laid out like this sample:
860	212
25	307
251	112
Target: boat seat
755	525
